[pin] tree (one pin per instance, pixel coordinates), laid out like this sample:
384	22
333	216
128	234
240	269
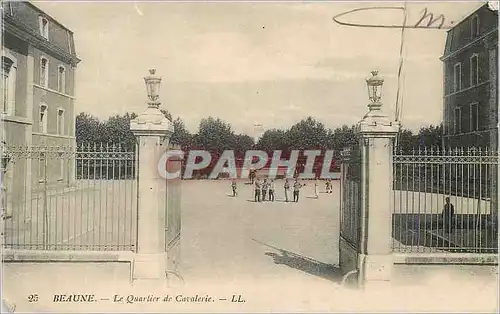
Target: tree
343	137
431	136
166	114
273	139
181	135
214	134
406	141
307	134
241	143
117	130
217	135
88	129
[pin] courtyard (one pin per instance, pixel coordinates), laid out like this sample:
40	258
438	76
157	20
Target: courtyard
278	256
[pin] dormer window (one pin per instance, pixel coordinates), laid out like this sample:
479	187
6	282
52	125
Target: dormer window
44	27
474	26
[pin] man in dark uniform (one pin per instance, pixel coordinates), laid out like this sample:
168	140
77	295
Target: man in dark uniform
448	215
296	190
265	186
257	190
287	188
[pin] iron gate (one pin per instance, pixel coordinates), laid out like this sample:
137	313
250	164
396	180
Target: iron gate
173	215
351	196
425	180
71	198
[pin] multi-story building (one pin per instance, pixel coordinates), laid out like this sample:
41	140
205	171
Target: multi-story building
470	64
38	71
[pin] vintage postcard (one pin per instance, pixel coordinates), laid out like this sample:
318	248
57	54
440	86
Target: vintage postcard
249	156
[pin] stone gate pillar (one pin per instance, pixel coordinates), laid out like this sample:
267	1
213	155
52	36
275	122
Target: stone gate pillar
492	46
376	136
153	131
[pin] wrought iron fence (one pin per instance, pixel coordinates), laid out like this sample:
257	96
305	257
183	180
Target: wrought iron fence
106	162
173	204
173	214
72	198
350	209
445	201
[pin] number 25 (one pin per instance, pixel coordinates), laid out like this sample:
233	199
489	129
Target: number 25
33	298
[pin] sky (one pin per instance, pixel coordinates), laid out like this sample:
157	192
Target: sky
253	62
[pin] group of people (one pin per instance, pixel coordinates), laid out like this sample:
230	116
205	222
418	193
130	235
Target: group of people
268	188
265	190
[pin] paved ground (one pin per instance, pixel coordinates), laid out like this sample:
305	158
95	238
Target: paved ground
277	256
408	202
235	238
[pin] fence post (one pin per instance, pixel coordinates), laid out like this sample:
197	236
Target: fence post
376	135
150	128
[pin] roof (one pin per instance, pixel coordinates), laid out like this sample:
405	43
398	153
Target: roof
492	5
30	3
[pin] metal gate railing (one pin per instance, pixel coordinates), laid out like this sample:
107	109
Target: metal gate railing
173	214
425	181
72	198
350	208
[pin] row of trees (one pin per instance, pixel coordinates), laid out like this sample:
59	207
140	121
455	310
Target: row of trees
217	135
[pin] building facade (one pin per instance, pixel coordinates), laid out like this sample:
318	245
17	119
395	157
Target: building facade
38	72
470	65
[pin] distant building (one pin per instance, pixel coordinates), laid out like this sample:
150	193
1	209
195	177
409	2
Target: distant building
470	64
258	131
38	72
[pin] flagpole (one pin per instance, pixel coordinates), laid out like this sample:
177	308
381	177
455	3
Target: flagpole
399	96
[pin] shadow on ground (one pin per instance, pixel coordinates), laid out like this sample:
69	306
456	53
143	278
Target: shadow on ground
305	264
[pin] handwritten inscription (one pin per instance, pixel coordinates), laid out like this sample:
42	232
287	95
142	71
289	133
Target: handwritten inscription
432	23
431	20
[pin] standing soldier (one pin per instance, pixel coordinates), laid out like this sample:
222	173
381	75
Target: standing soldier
447	215
316	188
234	187
287	188
265	186
257	190
271	190
296	190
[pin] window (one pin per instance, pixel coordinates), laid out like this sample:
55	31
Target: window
447	120
458	120
69	43
44	27
474	70
43	118
44	72
41	167
474	117
457	77
61	166
60	121
61	79
9	71
474	26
